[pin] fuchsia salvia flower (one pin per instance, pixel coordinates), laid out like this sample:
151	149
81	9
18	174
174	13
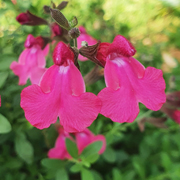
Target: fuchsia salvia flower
61	94
128	83
84	37
82	139
31	63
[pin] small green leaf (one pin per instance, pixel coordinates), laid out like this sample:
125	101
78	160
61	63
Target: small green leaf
62	174
116	174
76	168
24	148
3	78
52	163
92	158
72	148
109	155
92	149
86	174
5	126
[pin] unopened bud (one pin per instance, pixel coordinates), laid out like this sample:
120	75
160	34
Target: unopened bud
46	9
60	18
30	19
74	33
62	5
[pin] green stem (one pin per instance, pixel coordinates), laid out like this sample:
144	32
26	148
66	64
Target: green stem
75	42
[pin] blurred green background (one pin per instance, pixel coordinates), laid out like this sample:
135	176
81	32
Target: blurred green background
153	26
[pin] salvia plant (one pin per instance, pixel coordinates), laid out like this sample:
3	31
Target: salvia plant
57	95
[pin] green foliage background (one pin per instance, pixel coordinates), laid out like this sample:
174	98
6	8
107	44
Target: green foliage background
153	26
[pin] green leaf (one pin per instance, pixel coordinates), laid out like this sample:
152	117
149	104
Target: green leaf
92	158
5	126
109	155
92	149
76	168
86	174
166	161
72	148
116	174
62	174
3	78
24	148
52	163
96	175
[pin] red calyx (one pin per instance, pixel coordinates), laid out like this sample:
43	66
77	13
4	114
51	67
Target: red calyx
102	52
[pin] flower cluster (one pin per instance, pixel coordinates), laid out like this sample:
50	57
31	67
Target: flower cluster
61	92
82	139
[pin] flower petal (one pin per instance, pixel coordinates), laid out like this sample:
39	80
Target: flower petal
150	90
36	75
86	137
119	105
41	109
21	71
60	150
126	87
78	109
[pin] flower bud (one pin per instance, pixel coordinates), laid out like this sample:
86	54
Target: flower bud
60	18
30	19
46	9
62	5
23	18
74	33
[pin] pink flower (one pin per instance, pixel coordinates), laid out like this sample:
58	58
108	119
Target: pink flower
83	139
128	83
84	37
61	94
86	137
60	150
31	63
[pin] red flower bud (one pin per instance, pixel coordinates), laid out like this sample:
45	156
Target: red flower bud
23	18
30	19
